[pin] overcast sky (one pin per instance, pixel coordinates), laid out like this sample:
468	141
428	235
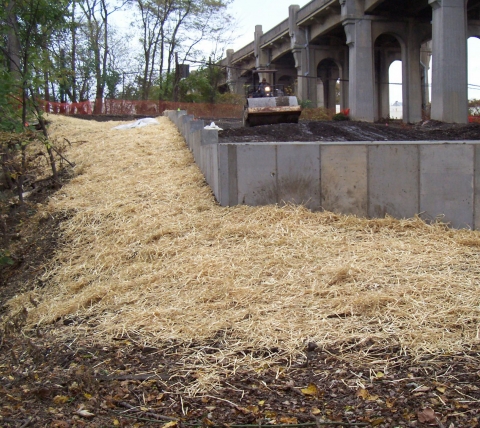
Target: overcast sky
269	13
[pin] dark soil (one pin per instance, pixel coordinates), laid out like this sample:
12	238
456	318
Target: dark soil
348	131
54	377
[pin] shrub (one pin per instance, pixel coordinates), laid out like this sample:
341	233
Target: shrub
343	115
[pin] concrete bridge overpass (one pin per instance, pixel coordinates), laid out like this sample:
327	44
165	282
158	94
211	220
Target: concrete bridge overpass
355	42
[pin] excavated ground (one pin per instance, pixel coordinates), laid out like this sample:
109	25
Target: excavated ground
347	131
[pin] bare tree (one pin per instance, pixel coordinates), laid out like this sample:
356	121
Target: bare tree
96	14
171	27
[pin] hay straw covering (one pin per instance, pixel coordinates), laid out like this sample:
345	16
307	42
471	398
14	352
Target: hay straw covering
148	253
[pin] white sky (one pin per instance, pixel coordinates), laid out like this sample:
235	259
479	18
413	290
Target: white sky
269	13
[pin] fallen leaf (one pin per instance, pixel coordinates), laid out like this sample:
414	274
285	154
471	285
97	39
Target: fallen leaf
60	399
380	375
363	393
60	424
252	409
316	411
422	389
171	424
427	416
377	421
84	413
441	389
310	390
116	422
390	402
288	421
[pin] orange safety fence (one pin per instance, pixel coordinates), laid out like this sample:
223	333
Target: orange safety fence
84	107
156	108
145	108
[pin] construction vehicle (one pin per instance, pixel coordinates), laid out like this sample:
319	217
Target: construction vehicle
267	104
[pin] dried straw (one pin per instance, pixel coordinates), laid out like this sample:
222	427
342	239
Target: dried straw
147	253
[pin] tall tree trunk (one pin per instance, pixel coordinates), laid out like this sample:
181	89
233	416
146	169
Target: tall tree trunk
13	43
74	55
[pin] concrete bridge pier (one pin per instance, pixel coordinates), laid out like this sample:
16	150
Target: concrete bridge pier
304	55
361	87
449	69
383	59
235	81
328	73
412	77
425	57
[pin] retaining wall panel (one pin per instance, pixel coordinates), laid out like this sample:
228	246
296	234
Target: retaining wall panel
227	179
216	172
393	181
477	188
256	174
446	183
298	174
344	179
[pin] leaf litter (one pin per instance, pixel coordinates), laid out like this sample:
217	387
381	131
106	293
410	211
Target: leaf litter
149	261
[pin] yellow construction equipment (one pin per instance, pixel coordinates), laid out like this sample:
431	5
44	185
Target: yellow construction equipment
267	104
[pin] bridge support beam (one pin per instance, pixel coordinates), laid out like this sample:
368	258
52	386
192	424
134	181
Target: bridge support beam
449	71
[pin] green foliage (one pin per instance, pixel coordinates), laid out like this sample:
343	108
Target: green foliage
474	107
201	85
340	116
112	80
5	258
306	104
10	105
162	90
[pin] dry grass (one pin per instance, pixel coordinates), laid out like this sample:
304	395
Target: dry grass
147	253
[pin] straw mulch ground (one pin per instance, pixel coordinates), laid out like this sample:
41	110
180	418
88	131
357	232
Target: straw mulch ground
147	256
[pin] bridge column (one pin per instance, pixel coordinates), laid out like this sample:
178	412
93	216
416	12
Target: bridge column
449	71
412	78
425	56
344	83
235	81
382	65
261	56
361	71
304	57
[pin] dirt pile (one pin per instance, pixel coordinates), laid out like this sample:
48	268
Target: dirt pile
349	131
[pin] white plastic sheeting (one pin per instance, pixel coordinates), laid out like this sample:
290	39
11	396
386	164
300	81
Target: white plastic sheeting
213	126
139	123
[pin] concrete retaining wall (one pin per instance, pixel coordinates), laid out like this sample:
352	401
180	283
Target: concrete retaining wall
435	179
